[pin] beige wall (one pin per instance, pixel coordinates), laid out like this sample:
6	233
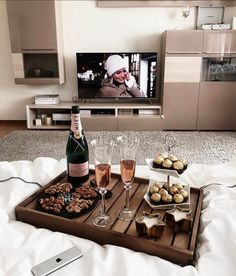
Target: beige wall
91	29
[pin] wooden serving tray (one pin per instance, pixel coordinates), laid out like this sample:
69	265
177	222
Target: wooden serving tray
175	247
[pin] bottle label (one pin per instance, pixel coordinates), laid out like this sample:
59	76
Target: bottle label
78	170
76	125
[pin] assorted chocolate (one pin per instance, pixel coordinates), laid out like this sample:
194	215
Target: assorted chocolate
62	199
161	194
52	204
59	188
170	162
86	191
77	205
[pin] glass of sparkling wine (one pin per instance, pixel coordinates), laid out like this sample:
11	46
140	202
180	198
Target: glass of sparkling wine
128	151
102	157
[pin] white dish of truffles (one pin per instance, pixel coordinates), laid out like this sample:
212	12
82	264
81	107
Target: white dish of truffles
158	196
167	164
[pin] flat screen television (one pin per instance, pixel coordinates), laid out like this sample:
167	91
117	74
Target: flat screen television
117	75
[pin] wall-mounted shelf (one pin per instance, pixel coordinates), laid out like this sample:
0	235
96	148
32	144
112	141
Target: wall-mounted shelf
36	41
99	116
161	3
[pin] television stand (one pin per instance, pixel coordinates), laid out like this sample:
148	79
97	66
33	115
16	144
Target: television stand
96	116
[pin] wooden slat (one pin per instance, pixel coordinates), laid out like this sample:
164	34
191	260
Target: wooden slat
176	247
182	240
116	191
120	226
196	221
119	204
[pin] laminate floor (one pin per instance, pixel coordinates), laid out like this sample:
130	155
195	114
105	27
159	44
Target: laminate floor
8	126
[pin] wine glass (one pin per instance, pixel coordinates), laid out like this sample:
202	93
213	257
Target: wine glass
128	149
102	157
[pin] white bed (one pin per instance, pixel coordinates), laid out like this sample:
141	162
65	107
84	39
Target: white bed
22	246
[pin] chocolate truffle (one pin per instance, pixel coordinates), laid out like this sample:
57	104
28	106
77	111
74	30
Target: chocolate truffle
156	197
178	198
159	159
178	165
153	189
167	163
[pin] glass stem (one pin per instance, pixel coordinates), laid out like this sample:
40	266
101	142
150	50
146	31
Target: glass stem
127	197
103	211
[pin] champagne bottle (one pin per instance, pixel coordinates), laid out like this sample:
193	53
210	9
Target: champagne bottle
77	151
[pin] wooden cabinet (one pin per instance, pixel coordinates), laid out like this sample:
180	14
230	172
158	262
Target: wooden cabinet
184	42
181	78
182	69
180	106
192	98
98	116
32	26
217	106
219	42
36	41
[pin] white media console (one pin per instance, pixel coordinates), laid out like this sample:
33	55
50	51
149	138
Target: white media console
96	116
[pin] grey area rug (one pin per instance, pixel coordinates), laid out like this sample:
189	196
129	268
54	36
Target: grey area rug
197	147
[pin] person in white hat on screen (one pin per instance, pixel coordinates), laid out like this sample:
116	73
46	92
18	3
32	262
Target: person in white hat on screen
118	81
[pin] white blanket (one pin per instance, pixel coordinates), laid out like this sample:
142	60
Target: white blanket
22	246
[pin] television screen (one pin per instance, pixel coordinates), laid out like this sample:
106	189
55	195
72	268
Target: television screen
116	75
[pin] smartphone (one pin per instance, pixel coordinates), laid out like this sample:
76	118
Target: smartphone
57	262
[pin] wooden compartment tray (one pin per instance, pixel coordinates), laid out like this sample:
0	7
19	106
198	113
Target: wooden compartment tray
175	247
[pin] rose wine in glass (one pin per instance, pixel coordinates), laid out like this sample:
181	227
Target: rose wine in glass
127	169
128	150
102	175
102	155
